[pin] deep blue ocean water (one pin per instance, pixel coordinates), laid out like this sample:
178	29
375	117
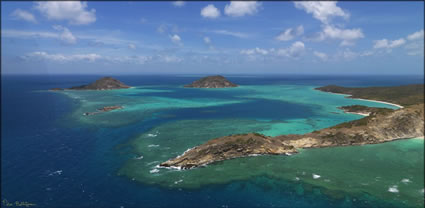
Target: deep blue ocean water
50	164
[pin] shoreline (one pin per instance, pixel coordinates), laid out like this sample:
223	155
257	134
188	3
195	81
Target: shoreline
362	114
377	101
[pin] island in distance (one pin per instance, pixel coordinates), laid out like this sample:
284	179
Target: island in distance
105	83
217	81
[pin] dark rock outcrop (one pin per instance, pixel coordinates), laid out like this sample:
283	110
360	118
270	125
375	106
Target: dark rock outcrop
105	83
212	82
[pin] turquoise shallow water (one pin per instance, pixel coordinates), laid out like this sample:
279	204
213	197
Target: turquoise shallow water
57	157
391	171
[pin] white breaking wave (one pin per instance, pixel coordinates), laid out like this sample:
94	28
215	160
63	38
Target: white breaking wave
315	176
152	135
153	145
179	181
393	189
58	172
139	158
154	171
405	180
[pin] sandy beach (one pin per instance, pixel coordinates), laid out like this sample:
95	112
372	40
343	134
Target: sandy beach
399	106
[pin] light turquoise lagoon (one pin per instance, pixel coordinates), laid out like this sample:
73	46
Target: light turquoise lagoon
172	119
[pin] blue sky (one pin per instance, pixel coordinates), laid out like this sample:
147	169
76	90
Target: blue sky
212	37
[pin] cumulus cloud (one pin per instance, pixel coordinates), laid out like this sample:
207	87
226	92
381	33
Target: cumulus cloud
322	56
384	43
66	36
23	15
254	51
210	11
416	35
179	3
294	51
176	39
74	12
348	36
241	8
322	10
290	33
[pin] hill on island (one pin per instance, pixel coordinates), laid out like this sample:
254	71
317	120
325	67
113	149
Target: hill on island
105	83
217	81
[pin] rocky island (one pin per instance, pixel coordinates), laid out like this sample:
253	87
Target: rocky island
381	125
212	82
105	83
104	109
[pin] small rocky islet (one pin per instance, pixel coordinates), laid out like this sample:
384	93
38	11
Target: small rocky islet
104	109
217	81
104	83
381	125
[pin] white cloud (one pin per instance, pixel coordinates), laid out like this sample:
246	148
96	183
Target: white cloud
27	34
322	56
66	36
92	57
131	46
234	34
241	8
294	51
62	58
415	48
94	39
416	35
322	10
207	40
176	39
169	59
348	36
23	15
290	33
384	43
179	3
210	11
254	51
74	12
347	54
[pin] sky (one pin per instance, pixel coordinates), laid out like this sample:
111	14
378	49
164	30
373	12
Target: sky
225	37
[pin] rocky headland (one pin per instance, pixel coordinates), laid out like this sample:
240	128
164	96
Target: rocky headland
212	82
105	83
381	125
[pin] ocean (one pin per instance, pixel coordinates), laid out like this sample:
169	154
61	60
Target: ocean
53	156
